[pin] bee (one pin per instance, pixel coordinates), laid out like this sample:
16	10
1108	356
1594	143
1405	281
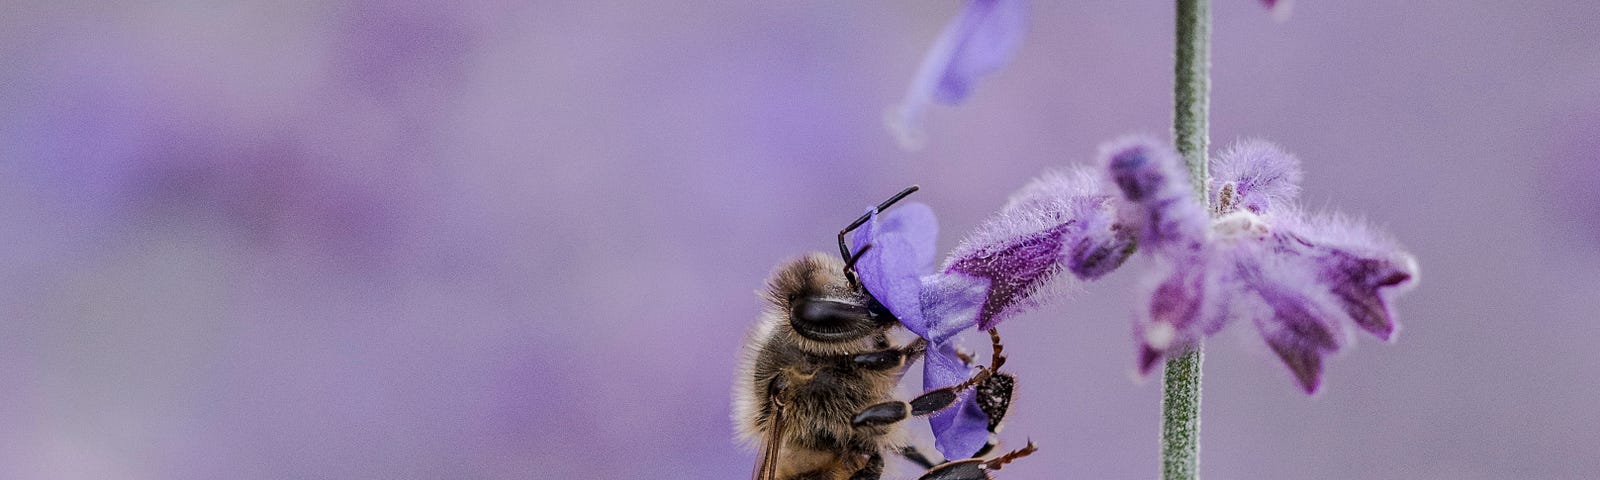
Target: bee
815	385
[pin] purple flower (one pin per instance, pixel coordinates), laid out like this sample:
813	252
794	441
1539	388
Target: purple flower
1058	223
980	40
1301	279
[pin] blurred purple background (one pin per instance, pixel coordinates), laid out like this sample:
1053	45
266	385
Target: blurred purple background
492	239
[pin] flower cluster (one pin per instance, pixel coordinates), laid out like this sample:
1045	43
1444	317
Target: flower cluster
1301	279
1059	223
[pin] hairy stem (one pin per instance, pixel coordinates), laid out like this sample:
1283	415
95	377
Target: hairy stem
1192	90
1180	401
1180	417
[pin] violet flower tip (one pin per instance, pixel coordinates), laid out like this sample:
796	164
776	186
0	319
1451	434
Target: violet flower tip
1148	359
1305	364
1392	335
1141	167
906	126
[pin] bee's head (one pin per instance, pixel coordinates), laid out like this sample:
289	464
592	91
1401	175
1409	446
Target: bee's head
825	318
831	321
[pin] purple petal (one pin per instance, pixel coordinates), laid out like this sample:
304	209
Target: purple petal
962	429
1094	256
1299	334
1357	281
1015	271
1305	361
902	252
1097	244
1360	267
1172	320
1059	220
951	303
985	36
1159	199
1290	305
981	39
1257	173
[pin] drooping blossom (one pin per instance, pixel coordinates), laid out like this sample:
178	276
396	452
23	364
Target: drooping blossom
1302	280
1060	222
981	39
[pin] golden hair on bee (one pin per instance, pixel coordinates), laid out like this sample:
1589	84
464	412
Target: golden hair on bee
817	373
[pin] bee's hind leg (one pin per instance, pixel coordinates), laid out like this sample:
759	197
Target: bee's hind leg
975	468
994	398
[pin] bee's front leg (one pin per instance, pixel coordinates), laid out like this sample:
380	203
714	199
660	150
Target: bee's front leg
937	399
912	453
892	358
873	470
895	410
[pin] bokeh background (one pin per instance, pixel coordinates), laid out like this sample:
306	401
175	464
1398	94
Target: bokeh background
493	239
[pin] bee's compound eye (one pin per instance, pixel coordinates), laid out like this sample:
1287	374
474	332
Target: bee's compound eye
830	320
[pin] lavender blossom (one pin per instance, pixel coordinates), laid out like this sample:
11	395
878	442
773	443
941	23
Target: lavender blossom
1301	279
1058	223
981	39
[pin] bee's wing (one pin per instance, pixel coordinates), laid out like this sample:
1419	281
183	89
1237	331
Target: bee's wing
767	466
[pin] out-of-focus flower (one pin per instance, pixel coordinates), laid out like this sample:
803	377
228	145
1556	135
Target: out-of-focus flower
1058	223
980	40
1302	280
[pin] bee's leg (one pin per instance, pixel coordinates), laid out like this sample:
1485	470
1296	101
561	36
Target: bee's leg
896	410
882	414
873	470
933	400
915	456
975	468
994	398
892	358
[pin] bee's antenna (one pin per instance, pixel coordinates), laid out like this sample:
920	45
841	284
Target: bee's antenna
844	250
850	265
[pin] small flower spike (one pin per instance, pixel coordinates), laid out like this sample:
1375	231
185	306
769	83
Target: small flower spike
981	39
1059	223
1301	280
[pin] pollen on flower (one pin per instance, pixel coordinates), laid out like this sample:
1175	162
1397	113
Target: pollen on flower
1241	224
1160	336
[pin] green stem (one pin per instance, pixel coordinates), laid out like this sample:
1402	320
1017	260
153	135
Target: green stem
1180	417
1180	401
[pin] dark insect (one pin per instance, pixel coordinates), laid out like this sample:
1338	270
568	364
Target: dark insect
815	385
